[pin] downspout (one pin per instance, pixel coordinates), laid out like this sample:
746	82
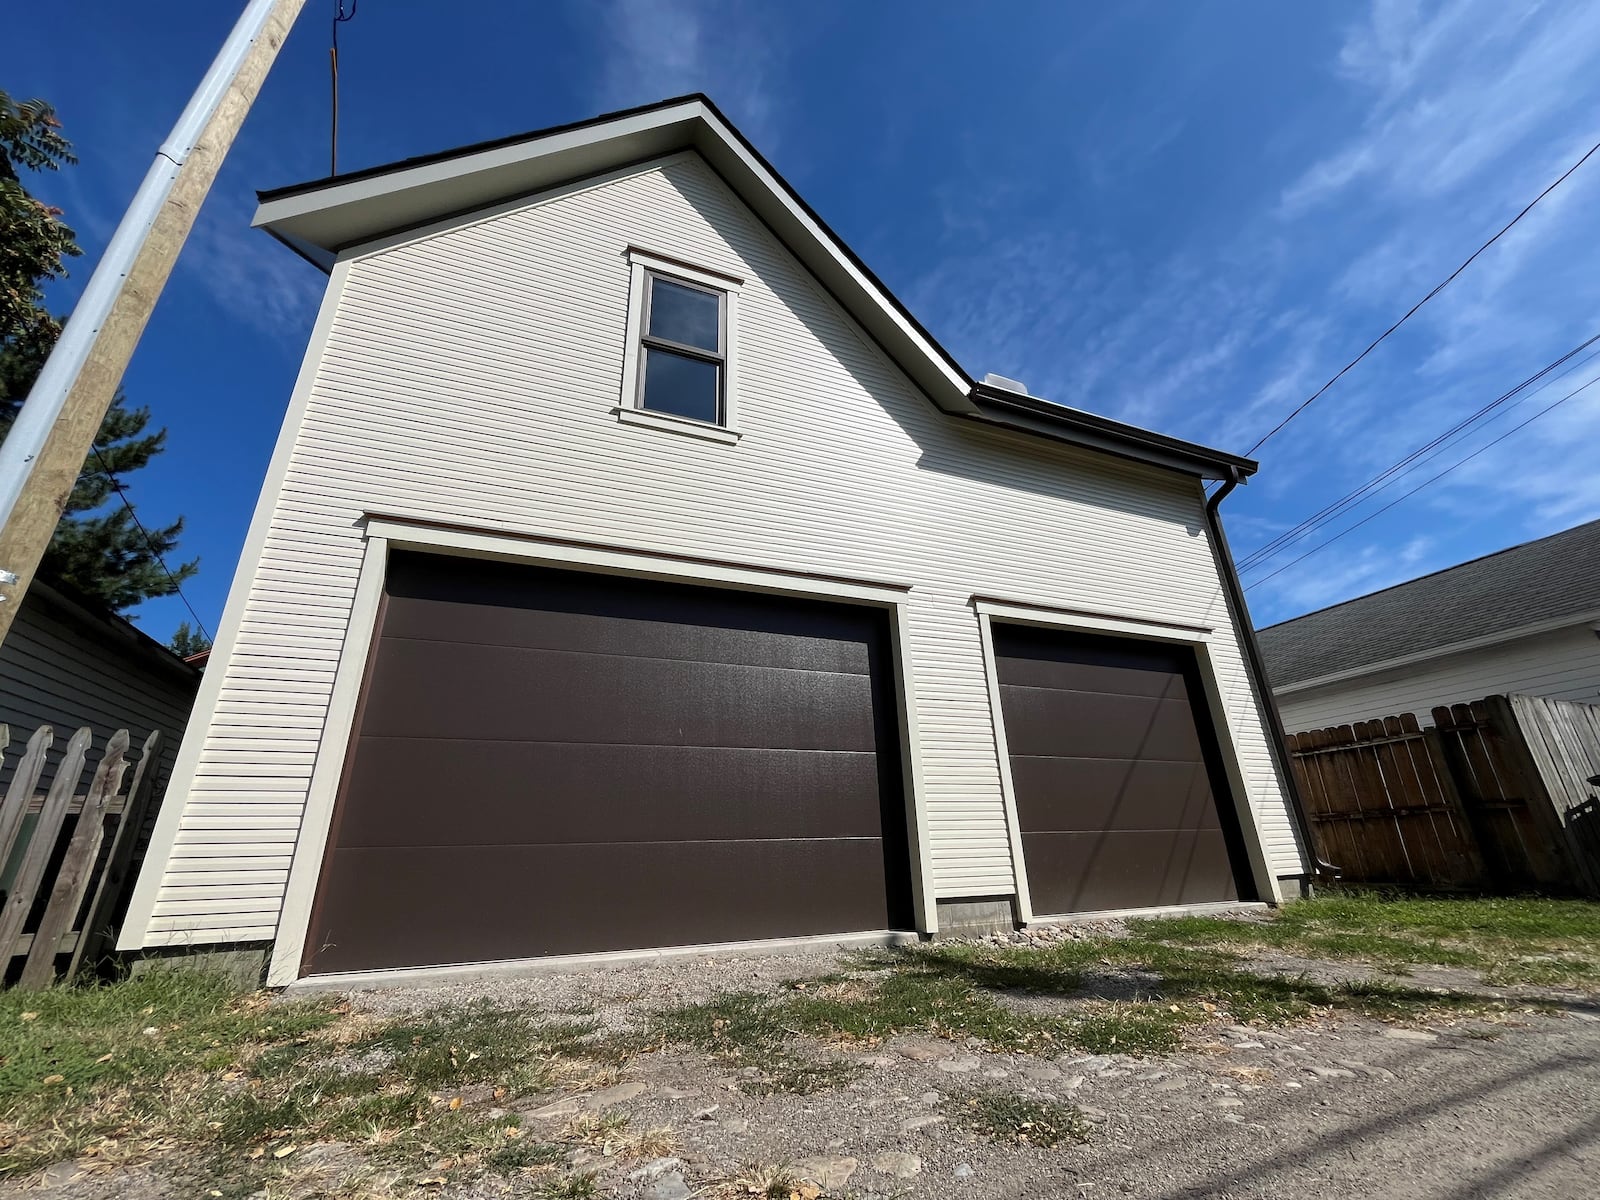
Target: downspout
1239	610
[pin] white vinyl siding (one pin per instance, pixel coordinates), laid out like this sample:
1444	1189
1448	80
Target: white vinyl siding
1562	665
471	376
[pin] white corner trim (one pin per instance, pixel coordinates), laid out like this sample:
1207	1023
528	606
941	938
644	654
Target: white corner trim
923	887
1091	622
688	426
310	847
141	907
1553	625
1196	636
621	560
1008	788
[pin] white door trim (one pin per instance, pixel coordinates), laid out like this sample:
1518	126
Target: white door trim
387	533
1121	625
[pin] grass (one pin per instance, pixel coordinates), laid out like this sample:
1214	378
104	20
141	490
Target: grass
1524	940
1018	1120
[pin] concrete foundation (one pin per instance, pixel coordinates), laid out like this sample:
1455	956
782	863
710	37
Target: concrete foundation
244	965
977	917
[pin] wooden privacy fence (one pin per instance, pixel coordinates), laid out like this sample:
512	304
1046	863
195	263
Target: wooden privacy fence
1494	796
66	876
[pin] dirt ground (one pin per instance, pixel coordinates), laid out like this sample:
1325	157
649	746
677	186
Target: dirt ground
1334	1107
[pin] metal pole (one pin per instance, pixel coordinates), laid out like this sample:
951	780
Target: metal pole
55	429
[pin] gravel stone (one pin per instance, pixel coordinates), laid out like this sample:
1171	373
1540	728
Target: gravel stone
963	1171
897	1163
670	1186
927	1120
620	1094
960	1066
560	1110
830	1174
1411	1035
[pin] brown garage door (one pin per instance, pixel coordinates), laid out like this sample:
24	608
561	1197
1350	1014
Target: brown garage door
1117	771
552	762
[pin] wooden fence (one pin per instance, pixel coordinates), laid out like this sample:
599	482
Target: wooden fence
66	875
1494	796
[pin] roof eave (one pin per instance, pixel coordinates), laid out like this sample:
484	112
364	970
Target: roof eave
1030	414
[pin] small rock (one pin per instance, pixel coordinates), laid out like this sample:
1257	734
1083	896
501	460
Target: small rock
669	1187
1250	1045
1228	1102
959	1066
996	1073
931	1097
962	1171
60	1174
1291	1084
928	1051
1331	1072
876	1062
912	1124
1050	1073
1170	1085
1411	1035
560	1110
736	1125
1071	1083
1088	1062
1114	1073
672	1093
655	1168
830	1174
705	1113
897	1163
1098	1116
616	1095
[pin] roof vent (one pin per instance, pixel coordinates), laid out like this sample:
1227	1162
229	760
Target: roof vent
1009	385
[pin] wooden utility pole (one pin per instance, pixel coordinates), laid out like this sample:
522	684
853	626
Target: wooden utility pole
76	387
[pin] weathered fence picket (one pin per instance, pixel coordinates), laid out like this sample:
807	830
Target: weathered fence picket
88	875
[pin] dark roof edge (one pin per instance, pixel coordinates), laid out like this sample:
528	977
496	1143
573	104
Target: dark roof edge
111	624
438	156
1033	415
1405	583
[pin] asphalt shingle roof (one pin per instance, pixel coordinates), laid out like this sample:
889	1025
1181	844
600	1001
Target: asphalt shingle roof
1554	577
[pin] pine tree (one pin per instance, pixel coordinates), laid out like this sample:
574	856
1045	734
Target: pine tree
187	641
98	548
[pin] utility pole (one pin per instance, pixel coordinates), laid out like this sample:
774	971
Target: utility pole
54	432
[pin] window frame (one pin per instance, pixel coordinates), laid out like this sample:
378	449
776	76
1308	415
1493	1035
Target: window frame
646	266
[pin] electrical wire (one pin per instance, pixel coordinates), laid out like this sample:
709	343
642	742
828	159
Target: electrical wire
116	486
1487	445
1305	404
340	17
1410	462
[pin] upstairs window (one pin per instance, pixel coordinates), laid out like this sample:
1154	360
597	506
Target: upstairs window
683	369
680	373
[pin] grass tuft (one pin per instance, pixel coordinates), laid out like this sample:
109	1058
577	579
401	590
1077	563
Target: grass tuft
1015	1119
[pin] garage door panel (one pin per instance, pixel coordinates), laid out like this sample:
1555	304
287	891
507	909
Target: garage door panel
474	602
1090	795
1048	721
1157	681
416	907
444	689
1092	872
626	636
562	793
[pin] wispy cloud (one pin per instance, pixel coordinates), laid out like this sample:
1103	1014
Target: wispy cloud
248	274
661	48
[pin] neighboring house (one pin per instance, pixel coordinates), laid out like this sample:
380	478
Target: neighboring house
634	571
67	663
1525	619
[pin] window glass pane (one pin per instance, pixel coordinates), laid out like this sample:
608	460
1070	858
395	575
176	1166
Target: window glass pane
675	383
684	315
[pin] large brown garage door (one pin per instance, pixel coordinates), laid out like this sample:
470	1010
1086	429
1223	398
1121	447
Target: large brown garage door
552	762
1116	770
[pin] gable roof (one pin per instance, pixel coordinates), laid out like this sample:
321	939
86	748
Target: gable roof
320	219
1536	583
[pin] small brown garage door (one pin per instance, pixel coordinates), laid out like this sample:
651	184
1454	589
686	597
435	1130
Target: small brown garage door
1117	771
551	762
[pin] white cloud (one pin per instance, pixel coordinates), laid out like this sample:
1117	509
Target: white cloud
248	274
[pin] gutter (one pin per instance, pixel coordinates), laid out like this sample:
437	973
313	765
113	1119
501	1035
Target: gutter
1239	610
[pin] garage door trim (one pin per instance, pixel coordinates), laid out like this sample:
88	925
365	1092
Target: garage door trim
384	534
1198	637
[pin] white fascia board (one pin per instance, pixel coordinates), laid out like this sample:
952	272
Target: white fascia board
1553	625
321	222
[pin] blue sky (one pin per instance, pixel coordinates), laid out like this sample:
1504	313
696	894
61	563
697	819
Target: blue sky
1186	216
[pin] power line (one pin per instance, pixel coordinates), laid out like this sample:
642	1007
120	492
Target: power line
1410	462
1305	404
116	486
1324	545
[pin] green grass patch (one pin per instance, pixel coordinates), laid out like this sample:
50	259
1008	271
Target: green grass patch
1528	940
1015	1119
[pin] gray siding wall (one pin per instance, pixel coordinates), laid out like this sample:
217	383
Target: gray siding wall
1563	665
63	667
470	376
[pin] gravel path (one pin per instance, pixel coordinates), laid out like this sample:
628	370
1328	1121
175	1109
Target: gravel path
1339	1108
